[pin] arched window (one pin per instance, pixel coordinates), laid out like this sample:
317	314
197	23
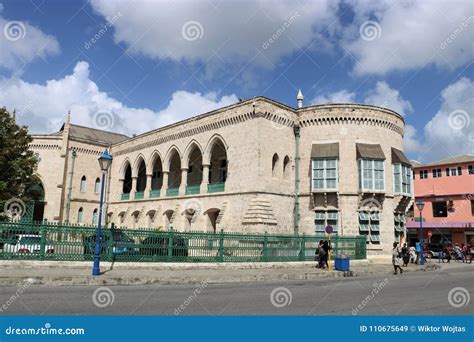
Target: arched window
94	216
275	160
286	167
80	215
83	184
97	185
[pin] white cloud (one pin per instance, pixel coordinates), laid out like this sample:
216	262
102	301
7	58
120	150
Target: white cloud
221	31
342	96
411	142
20	43
43	107
384	96
451	131
410	35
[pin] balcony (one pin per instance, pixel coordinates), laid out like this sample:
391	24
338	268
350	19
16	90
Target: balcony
139	195
125	196
192	189
172	192
155	193
215	187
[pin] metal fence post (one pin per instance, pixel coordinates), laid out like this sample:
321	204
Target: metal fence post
265	247
221	245
170	245
302	247
43	242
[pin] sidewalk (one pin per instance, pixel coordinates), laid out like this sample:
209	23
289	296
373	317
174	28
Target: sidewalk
15	273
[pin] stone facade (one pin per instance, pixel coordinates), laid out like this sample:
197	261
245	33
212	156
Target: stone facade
233	169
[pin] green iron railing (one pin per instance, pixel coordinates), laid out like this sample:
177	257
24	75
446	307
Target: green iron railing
125	196
192	189
139	194
49	241
215	187
155	193
172	192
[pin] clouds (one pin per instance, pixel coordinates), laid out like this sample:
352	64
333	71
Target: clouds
384	96
410	35
21	43
43	107
221	31
342	96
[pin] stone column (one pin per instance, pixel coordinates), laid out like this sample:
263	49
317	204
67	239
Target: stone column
121	181
134	187
184	181
148	186
205	178
164	186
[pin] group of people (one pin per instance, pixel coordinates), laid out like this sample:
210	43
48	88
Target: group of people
413	254
322	254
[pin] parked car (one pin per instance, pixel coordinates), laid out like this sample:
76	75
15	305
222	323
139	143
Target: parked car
26	243
122	244
157	245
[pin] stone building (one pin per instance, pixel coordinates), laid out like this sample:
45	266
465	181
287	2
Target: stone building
254	166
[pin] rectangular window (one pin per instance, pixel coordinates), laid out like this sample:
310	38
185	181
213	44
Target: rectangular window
472	207
436	173
371	174
459	170
423	174
397	178
325	174
402	179
453	171
471	169
440	209
369	225
324	219
447	172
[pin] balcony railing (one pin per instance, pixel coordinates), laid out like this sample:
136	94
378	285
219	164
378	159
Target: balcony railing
155	193
192	189
172	192
139	194
215	187
125	196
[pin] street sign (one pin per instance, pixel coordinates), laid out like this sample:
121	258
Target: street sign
329	229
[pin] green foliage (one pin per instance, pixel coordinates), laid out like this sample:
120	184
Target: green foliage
17	162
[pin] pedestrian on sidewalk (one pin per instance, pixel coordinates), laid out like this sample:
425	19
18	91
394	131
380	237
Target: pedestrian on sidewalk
418	251
405	255
326	250
447	252
412	254
441	255
317	254
464	252
396	254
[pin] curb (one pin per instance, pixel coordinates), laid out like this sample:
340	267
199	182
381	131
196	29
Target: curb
115	281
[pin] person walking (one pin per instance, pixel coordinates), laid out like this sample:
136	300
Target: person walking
317	254
447	253
405	255
418	252
326	250
396	259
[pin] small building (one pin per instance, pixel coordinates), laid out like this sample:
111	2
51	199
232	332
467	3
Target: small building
254	166
447	189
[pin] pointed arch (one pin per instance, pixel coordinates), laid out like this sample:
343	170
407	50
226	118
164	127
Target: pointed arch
137	163
190	148
216	158
155	155
123	168
215	139
169	154
155	169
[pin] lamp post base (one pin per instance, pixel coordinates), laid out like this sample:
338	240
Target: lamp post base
96	268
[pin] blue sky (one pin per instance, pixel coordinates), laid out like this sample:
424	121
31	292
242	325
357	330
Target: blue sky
132	66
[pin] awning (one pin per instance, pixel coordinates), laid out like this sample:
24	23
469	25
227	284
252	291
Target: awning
369	151
399	157
325	150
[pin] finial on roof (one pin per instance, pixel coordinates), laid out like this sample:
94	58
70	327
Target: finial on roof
14	115
299	98
68	117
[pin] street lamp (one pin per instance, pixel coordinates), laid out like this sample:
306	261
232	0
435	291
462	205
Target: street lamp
104	162
420	205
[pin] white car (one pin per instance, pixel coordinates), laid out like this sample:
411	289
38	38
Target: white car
26	243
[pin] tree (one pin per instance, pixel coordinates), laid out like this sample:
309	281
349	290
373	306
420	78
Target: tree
17	163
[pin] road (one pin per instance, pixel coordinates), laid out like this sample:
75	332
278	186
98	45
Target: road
420	293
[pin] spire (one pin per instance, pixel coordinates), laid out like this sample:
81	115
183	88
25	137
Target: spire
68	117
14	115
299	98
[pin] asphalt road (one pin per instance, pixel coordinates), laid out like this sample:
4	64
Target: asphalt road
421	293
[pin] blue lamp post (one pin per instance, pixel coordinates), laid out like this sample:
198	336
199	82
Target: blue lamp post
420	205
104	161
